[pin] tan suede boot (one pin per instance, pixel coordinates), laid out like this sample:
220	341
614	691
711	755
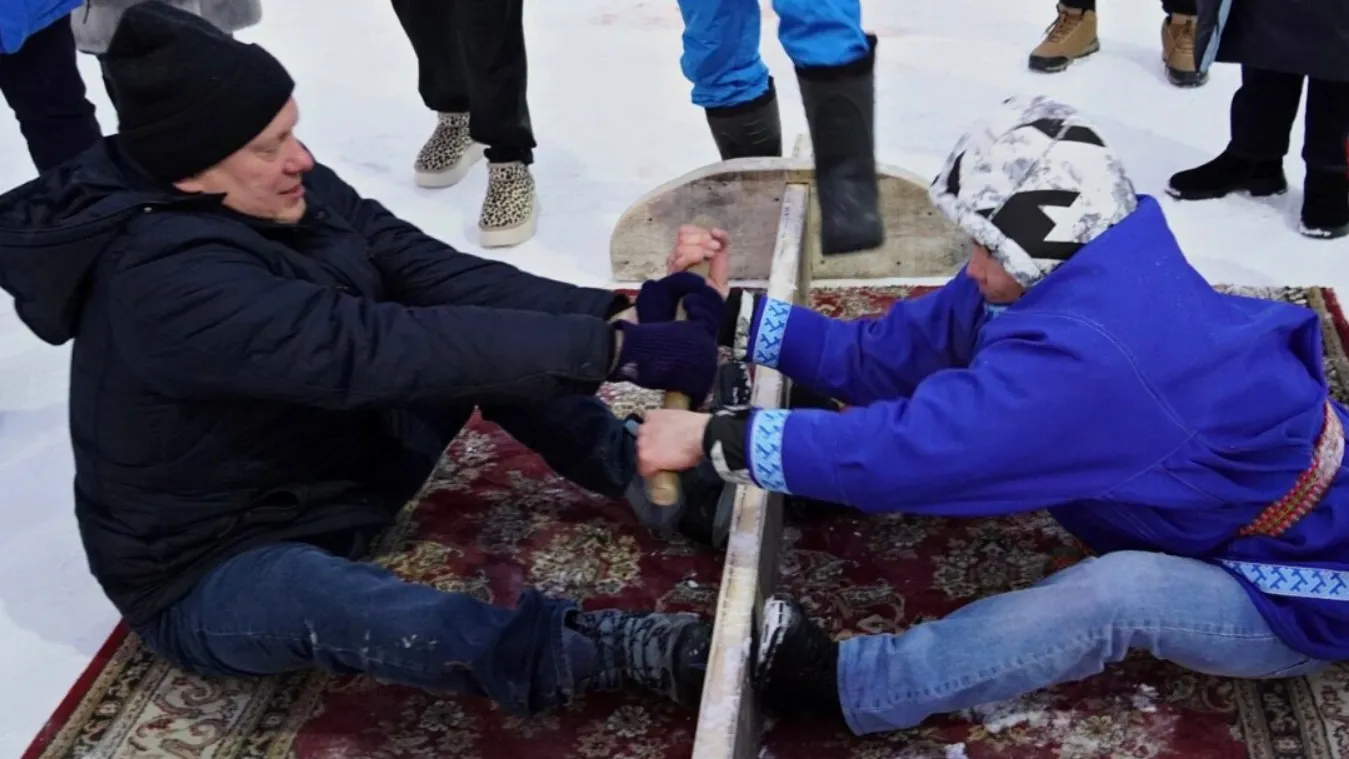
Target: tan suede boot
1178	51
1071	36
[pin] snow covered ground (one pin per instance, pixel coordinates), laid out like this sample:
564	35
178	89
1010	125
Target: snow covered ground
613	120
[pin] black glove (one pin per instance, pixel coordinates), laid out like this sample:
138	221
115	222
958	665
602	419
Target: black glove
658	298
680	356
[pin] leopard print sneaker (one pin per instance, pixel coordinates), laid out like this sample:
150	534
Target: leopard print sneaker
510	212
449	154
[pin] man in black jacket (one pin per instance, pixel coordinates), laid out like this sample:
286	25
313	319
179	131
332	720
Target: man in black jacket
267	365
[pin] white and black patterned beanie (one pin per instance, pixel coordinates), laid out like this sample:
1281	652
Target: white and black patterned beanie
1033	183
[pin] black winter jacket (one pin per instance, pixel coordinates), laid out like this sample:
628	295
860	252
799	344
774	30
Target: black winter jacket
230	377
1308	37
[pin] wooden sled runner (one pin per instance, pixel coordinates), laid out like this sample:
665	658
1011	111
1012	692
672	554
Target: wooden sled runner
744	196
766	206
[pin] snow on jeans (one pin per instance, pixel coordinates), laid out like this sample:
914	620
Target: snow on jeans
291	606
1065	628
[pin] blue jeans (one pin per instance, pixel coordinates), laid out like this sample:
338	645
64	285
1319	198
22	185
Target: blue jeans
294	606
1067	627
721	43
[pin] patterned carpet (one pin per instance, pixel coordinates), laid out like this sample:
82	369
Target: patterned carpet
494	519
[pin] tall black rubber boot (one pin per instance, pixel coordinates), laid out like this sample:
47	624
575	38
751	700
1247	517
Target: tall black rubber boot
749	129
840	104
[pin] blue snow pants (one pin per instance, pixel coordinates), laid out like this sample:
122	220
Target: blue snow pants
721	43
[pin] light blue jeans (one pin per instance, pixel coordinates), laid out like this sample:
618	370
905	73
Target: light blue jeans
1065	628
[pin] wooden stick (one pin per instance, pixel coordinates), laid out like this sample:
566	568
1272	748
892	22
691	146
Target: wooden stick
729	720
663	487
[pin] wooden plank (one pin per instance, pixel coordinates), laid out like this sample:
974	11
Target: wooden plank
729	720
744	197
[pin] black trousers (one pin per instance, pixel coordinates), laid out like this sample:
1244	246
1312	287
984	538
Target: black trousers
1185	7
471	59
1265	106
42	85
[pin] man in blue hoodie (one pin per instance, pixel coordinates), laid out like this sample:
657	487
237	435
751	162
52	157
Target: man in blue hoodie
1078	363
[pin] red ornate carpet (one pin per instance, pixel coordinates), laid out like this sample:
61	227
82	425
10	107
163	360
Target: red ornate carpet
494	519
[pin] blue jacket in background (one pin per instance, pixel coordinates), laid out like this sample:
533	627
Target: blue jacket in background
21	19
1146	410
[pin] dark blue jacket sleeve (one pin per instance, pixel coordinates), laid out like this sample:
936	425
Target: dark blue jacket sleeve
420	270
1031	423
213	323
861	361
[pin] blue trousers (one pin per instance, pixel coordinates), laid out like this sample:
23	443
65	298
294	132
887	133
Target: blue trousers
1069	626
721	43
294	606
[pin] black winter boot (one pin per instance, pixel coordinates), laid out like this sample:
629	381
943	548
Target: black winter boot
840	104
1325	204
748	129
1226	174
796	670
663	653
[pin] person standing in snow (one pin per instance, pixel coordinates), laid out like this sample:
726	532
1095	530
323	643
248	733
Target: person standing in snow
1073	36
41	83
1279	46
95	21
267	366
1077	363
834	60
472	72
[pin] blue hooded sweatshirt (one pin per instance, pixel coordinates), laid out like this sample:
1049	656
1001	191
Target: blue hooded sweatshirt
1144	409
21	19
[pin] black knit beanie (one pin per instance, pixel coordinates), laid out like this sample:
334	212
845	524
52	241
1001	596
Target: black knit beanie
187	94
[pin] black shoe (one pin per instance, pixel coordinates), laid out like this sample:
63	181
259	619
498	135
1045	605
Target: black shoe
748	129
706	501
1325	205
1226	174
663	653
840	104
796	670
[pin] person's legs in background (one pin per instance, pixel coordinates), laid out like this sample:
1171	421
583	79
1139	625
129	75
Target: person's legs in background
835	61
492	37
42	84
291	606
730	81
1067	627
1262	114
442	81
1325	198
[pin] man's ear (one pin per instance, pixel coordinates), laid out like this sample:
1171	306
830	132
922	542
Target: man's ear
192	185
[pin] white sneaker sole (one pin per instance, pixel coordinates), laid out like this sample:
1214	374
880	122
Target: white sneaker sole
511	236
778	616
456	173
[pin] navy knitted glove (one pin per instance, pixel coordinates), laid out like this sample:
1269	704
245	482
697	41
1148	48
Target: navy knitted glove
658	297
680	356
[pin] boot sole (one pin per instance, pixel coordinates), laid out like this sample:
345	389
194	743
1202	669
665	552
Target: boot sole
777	617
1255	190
435	180
1054	65
1186	79
511	236
1323	233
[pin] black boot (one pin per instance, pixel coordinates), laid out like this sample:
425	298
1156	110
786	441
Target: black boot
663	653
796	670
706	501
1226	174
748	129
1325	204
840	104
